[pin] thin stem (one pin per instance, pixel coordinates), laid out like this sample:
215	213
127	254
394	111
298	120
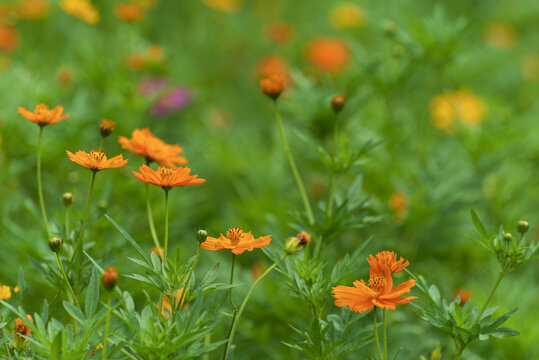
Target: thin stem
331	191
107	323
39	185
166	226
376	336
184	293
227	345
101	143
244	304
500	276
293	166
5	344
385	333
150	220
66	280
66	223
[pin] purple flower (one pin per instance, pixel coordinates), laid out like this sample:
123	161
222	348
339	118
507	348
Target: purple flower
151	86
172	101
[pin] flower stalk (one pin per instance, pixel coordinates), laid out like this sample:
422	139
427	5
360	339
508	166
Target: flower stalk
293	166
107	324
489	297
40	186
66	280
376	335
384	321
166	226
227	345
150	220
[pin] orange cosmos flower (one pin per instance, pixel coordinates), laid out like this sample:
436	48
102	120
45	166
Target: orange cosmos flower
328	54
167	309
21	332
464	295
380	291
398	203
236	241
271	65
96	160
9	38
5	292
168	178
42	115
34	9
81	9
128	12
279	33
143	143
106	127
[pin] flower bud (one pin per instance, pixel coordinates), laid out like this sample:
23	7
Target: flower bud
337	103
273	86
496	245
295	244
201	236
102	205
20	331
55	244
157	252
67	199
508	237
522	227
390	29
110	278
303	238
106	128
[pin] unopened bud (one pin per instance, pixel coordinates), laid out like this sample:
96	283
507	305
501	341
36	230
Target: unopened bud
110	278
337	103
106	128
201	236
508	237
390	29
55	244
157	252
273	86
67	198
523	226
295	244
303	238
102	205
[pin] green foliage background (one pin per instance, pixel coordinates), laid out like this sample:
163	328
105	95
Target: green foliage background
437	46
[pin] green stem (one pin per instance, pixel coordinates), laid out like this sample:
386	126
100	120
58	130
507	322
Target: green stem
101	143
376	336
184	294
79	247
227	345
500	276
66	223
66	280
150	220
331	192
385	333
293	166
107	323
5	344
244	304
39	185
166	226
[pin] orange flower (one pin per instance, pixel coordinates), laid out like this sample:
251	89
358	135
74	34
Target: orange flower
42	115
96	160
272	65
380	291
81	9
106	127
328	54
389	259
34	9
464	295
273	86
128	12
236	241
65	75
398	203
157	252
167	309
279	33
143	143
168	178
9	38
5	292
19	330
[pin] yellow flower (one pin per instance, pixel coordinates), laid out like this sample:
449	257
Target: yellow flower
81	9
501	35
5	292
461	105
346	16
228	6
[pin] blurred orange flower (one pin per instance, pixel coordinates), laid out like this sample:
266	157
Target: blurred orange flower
530	68
168	178
279	33
228	6
19	330
272	65
42	115
236	241
464	295
81	9
398	203
144	144
5	292
167	309
273	86
348	16
129	12
380	291
328	54
501	35
65	75
34	9
96	160
461	105
9	38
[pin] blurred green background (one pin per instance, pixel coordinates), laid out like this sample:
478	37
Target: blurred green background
405	66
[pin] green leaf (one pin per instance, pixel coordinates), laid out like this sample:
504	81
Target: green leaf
74	312
478	225
128	238
21	281
57	346
92	295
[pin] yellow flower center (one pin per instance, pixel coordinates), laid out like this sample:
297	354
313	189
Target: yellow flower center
234	235
377	282
97	155
166	172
